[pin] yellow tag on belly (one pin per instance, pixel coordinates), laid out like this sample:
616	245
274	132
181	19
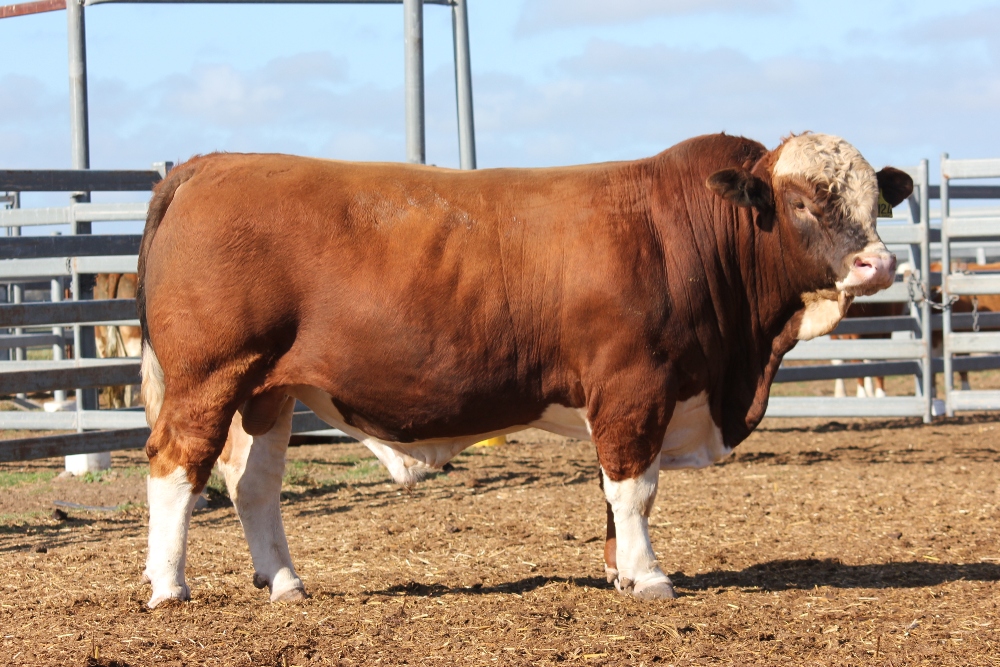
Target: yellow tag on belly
884	210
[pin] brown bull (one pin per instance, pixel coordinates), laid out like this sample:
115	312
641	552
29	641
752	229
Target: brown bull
645	305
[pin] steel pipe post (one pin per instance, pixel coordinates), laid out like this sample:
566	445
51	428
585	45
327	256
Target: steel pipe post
79	130
83	339
58	349
949	379
463	85
413	44
926	325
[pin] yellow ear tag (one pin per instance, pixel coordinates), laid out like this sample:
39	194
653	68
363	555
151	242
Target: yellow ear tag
884	210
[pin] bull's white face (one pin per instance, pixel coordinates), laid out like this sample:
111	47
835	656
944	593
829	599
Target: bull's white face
824	197
829	193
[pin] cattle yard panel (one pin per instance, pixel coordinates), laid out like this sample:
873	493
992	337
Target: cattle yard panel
980	226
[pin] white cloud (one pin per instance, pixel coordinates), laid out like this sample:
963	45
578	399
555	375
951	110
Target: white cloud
618	101
610	101
542	15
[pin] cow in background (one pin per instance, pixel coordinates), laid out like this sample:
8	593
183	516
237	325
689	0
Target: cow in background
118	341
867	386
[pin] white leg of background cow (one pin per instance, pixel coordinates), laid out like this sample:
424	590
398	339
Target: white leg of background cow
253	467
171	501
839	388
631	501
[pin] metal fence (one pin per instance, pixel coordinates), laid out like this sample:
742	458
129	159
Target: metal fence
977	226
54	261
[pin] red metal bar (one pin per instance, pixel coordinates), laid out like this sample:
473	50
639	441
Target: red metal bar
25	8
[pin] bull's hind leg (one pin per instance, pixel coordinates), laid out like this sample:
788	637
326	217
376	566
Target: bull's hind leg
180	461
253	467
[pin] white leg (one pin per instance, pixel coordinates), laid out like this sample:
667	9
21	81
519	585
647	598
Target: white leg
171	500
839	390
869	388
253	467
631	502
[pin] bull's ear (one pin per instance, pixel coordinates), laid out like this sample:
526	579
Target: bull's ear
895	185
741	188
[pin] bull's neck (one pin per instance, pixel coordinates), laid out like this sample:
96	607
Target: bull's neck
774	285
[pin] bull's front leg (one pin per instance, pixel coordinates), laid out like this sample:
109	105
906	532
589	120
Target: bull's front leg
253	467
631	501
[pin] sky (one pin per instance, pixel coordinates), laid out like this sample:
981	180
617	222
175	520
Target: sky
554	81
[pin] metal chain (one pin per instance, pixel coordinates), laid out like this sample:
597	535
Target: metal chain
975	313
912	282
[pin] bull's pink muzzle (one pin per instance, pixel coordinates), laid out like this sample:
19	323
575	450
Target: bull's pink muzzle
871	272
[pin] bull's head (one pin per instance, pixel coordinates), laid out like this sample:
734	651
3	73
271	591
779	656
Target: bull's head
823	197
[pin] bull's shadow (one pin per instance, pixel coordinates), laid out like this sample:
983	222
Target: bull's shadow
807	573
778	575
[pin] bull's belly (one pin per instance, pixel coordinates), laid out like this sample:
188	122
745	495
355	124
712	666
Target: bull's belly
692	439
407	462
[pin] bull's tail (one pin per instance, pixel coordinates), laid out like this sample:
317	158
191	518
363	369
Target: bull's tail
152	389
163	194
152	384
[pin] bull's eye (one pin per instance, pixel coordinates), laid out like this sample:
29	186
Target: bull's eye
800	205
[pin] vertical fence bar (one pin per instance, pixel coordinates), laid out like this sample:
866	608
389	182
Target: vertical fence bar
413	45
949	379
59	395
463	85
79	129
923	180
83	337
17	290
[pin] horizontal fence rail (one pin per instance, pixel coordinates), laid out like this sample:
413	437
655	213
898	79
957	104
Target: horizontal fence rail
64	215
120	430
79	180
33	376
37	247
67	312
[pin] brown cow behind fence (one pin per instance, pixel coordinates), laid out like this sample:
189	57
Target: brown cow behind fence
118	341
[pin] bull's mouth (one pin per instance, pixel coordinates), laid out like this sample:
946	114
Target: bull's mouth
871	270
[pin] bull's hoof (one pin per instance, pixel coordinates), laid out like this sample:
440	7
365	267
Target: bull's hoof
611	574
291	595
660	590
174	594
654	590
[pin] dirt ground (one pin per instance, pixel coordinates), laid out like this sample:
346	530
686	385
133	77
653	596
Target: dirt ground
817	543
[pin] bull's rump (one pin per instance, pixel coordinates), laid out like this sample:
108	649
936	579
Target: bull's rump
427	302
